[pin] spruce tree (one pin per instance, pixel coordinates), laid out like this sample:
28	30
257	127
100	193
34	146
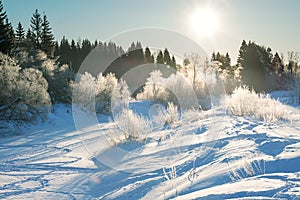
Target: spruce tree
20	35
257	65
36	29
167	58
148	57
6	32
47	38
29	40
277	63
173	63
10	36
160	58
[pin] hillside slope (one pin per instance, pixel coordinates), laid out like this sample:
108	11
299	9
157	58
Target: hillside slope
211	156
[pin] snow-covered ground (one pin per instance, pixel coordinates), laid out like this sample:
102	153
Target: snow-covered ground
209	155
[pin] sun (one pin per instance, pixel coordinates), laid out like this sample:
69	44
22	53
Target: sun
204	22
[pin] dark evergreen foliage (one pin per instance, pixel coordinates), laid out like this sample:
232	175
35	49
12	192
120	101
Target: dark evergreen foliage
160	58
47	38
6	32
36	23
20	36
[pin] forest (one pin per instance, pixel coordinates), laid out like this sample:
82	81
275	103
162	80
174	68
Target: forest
38	71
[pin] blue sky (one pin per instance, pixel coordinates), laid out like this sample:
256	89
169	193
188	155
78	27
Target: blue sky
273	23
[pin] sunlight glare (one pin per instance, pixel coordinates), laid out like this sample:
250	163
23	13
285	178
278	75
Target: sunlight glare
204	22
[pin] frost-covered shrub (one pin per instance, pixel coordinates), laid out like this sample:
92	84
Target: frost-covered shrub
120	97
130	127
177	89
295	88
84	91
23	93
170	116
187	95
59	78
105	86
154	89
245	102
97	94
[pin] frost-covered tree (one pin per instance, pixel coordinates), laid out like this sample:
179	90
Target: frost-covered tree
104	88
177	89
58	77
23	93
120	96
295	88
97	94
154	89
84	91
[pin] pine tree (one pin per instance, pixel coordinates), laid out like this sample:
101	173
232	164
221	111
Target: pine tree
6	32
242	53
132	47
160	58
10	36
256	63
64	51
20	35
47	38
36	29
173	63
29	40
213	56
148	56
277	64
167	58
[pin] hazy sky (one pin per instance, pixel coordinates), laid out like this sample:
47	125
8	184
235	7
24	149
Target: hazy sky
274	23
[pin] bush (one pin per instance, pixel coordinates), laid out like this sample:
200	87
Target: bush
84	91
97	94
295	88
169	117
176	89
58	77
154	89
130	127
245	102
23	93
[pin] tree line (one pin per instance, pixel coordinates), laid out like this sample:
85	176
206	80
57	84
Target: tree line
33	58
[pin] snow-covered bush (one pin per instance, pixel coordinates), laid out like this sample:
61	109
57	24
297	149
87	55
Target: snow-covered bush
177	89
105	86
120	97
245	102
295	88
97	94
130	127
84	91
58	77
170	116
154	89
23	93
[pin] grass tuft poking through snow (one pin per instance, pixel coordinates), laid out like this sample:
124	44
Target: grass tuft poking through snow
170	116
130	126
245	102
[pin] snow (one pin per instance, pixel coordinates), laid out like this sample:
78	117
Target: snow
208	154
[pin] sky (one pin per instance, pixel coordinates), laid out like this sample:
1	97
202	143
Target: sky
272	23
